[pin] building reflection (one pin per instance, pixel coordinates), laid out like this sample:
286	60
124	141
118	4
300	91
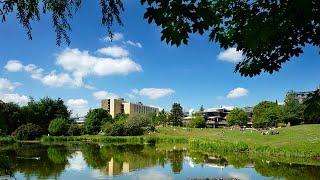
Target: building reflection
114	168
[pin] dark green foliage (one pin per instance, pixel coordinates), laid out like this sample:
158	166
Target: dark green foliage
95	118
61	12
197	121
176	115
121	117
292	109
58	127
135	124
11	117
28	132
268	33
42	112
266	114
75	130
312	110
201	108
163	118
106	127
118	128
237	117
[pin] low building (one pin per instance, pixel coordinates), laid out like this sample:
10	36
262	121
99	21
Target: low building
117	106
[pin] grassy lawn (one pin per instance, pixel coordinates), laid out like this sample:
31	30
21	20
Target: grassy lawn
303	138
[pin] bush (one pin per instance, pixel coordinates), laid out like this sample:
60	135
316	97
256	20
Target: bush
118	128
197	121
136	124
237	117
58	127
95	118
28	132
106	127
75	130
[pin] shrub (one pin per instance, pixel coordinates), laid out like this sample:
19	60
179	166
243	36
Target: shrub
95	118
75	130
197	121
58	127
237	117
118	128
135	125
106	127
28	132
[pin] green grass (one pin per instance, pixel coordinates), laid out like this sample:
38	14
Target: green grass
296	141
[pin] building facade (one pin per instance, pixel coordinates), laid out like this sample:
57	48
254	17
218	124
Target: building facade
302	96
117	106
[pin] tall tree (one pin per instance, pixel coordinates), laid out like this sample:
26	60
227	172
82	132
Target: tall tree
237	117
95	118
201	108
11	117
176	114
292	109
163	118
266	114
312	111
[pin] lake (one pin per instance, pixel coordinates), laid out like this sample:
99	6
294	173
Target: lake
109	161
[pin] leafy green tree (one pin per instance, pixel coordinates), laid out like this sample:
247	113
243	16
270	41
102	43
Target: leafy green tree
237	117
292	109
197	121
176	114
11	117
42	112
269	33
28	132
163	118
136	124
312	110
201	108
95	118
58	127
266	114
121	117
75	130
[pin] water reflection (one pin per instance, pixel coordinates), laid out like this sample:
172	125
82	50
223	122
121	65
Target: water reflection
87	161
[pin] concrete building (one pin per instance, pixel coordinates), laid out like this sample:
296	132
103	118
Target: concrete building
302	96
117	106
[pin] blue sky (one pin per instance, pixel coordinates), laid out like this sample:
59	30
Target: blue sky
136	66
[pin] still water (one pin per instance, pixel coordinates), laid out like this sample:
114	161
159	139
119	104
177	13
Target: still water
96	161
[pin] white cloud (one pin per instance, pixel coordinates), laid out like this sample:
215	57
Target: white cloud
115	37
78	106
60	80
7	86
100	95
153	93
81	64
231	55
114	51
14	66
136	44
7	92
77	162
15	98
237	93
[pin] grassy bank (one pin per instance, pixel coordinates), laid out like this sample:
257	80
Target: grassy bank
297	141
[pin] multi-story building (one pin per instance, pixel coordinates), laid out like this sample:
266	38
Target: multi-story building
117	106
302	96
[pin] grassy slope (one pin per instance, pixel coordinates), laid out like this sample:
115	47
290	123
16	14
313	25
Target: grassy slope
297	138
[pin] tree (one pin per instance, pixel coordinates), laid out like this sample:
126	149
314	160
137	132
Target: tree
312	110
42	112
95	118
176	114
163	118
266	114
237	117
197	121
268	33
292	109
201	108
11	117
120	117
58	127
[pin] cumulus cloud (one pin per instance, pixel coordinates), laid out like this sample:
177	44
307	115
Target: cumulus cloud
153	93
116	37
230	55
7	93
100	95
79	107
237	93
14	66
114	51
135	44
